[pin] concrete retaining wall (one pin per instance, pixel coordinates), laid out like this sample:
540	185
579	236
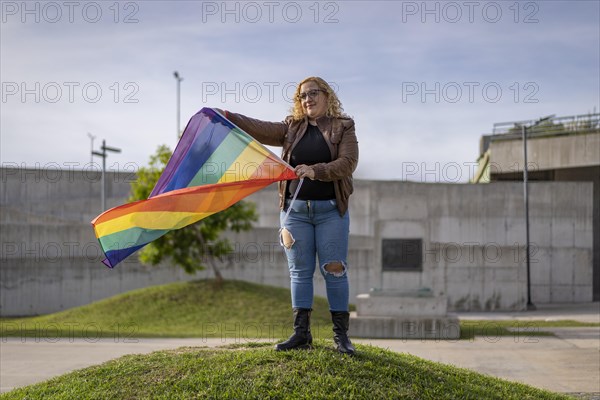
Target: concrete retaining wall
473	242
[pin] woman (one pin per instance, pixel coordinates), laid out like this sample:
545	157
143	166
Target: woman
319	141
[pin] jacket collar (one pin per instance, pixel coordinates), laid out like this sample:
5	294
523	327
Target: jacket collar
324	124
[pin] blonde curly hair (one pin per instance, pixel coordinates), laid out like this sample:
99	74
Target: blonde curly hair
334	105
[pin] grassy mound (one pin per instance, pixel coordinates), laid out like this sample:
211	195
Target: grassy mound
183	309
201	309
257	372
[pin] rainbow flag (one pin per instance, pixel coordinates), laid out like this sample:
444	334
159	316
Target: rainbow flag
215	165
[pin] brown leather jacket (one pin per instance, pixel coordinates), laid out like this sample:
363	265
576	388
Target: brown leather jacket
340	135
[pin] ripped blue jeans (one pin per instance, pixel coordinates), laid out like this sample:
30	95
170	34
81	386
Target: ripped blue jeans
317	230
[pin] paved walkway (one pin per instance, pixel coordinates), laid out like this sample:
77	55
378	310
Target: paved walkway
585	312
569	362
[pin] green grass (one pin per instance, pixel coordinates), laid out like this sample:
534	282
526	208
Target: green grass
201	309
258	372
249	370
184	309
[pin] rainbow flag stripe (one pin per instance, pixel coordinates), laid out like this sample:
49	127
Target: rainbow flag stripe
214	165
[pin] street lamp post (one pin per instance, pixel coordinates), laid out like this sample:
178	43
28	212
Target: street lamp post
103	154
179	79
530	305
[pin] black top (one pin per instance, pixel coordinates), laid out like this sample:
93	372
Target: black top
311	149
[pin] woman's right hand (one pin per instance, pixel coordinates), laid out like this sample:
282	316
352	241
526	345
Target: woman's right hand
305	171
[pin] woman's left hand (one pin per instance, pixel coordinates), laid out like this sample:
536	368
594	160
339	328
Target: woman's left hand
305	171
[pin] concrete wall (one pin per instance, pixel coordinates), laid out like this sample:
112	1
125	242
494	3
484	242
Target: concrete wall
543	153
573	157
474	241
473	238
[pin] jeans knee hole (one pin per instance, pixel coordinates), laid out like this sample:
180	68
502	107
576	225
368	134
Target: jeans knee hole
338	269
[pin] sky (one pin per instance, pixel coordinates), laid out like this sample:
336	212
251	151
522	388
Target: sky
422	80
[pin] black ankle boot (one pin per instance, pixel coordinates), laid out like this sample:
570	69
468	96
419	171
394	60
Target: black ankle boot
301	338
341	323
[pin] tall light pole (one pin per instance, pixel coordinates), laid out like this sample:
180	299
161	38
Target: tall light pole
179	79
530	305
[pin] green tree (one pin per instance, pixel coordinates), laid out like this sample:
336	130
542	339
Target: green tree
192	246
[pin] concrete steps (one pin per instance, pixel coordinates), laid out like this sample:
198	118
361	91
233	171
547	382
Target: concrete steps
394	315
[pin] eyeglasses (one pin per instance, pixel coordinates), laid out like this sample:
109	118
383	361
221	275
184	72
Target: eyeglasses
311	93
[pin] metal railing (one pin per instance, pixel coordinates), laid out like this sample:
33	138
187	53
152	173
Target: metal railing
551	125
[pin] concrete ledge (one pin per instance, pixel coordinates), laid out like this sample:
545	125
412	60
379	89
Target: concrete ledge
400	306
407	327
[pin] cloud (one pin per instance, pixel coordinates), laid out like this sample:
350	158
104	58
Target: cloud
421	92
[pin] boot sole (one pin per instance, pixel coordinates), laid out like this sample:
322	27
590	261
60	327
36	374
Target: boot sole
349	353
301	347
